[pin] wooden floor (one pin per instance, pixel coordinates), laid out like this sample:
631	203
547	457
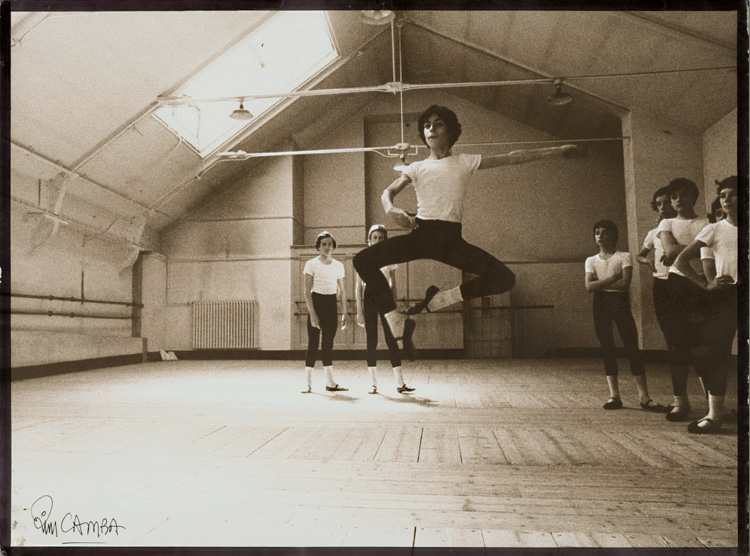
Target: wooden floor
482	454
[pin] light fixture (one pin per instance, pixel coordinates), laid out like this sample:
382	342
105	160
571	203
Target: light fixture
559	97
377	17
241	114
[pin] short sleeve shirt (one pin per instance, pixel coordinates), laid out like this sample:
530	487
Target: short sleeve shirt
652	242
684	232
721	239
606	268
325	276
441	185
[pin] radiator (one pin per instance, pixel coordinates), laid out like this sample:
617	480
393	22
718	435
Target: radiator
225	325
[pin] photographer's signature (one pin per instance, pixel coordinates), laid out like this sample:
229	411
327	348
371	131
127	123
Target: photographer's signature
41	513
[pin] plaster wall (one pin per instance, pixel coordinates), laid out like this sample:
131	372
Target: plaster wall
719	154
72	262
656	153
236	247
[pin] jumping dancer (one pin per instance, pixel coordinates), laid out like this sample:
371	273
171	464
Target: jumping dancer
440	182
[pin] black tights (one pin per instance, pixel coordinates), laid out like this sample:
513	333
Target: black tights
614	307
325	308
685	314
440	241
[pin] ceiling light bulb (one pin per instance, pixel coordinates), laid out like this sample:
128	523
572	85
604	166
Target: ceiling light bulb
241	114
559	97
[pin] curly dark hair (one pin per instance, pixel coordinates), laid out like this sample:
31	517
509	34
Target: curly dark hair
449	118
726	183
661	192
683	183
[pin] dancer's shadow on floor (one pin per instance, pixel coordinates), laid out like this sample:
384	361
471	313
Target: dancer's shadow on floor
410	398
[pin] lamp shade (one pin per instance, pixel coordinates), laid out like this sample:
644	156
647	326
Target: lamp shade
241	114
559	97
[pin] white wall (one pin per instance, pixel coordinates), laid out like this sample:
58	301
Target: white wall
719	154
236	247
656	153
74	262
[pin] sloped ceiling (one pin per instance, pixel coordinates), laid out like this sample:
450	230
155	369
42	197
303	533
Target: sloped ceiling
84	85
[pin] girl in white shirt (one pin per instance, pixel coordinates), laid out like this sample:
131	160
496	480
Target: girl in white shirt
685	301
719	326
663	206
608	276
324	276
367	317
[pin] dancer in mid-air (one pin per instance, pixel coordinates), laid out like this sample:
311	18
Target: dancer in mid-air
440	182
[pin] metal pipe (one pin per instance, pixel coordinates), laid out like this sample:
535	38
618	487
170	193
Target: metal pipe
59	314
74	299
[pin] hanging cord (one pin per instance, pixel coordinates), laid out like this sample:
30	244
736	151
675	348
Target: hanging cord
401	82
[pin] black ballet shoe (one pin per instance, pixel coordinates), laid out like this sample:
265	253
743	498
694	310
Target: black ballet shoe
678	413
373	390
308	390
613	403
336	388
407	343
404	388
712	427
422	305
657	408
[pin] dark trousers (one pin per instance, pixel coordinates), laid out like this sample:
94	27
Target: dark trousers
716	335
371	330
614	308
660	292
325	308
439	241
685	317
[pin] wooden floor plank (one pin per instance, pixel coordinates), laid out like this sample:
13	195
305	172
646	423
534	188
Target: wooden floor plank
485	453
247	443
440	445
479	445
360	445
518	539
400	444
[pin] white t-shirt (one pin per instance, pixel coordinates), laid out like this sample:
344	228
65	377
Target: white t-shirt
325	276
441	185
684	232
606	268
721	239
652	241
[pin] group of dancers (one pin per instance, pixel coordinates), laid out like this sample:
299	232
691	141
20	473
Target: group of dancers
695	274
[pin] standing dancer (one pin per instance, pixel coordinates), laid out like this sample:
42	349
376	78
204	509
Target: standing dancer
685	301
324	276
717	331
608	276
663	207
367	316
440	182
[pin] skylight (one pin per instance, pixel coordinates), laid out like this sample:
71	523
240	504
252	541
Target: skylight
279	56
